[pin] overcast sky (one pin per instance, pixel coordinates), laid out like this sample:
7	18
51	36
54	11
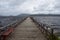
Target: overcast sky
15	7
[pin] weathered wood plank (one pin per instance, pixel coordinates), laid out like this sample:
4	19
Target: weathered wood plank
27	30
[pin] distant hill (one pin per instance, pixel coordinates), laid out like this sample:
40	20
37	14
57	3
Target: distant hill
23	14
46	15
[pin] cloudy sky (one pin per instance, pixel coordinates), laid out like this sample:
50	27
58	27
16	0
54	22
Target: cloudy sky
15	7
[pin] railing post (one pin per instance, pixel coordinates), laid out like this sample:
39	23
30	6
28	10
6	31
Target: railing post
47	33
0	37
52	33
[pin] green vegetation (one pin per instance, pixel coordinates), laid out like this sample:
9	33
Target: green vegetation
53	37
58	38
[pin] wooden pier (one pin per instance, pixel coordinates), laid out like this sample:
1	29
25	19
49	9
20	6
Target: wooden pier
27	30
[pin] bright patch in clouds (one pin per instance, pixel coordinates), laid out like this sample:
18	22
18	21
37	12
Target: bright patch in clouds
15	7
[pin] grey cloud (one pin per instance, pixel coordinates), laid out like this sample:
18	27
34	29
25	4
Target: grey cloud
53	9
9	7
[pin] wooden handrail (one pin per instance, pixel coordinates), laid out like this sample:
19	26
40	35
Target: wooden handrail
15	23
45	31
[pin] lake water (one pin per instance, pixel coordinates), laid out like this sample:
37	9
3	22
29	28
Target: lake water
51	21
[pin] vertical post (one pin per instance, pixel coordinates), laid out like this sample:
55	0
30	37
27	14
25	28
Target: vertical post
47	33
52	33
0	37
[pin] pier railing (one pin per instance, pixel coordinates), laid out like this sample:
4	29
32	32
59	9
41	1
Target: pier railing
46	30
11	25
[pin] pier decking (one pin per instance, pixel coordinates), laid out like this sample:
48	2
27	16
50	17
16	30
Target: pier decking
27	30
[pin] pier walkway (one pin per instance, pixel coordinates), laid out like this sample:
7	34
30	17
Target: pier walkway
27	30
